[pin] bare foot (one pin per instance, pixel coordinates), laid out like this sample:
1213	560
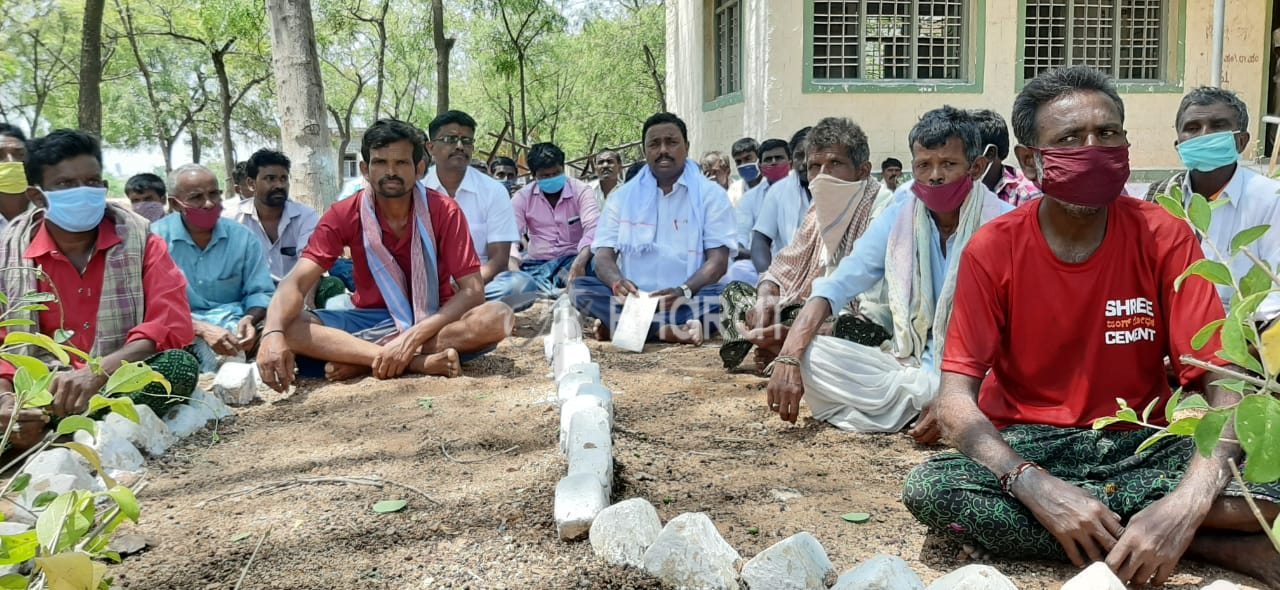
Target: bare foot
335	371
763	358
443	364
601	331
974	553
1249	554
690	333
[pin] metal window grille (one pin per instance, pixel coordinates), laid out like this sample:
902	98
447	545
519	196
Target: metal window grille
728	54
889	39
1121	37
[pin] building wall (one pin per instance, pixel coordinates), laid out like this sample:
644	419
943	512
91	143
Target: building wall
774	103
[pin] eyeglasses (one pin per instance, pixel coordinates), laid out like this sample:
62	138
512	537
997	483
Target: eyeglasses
455	140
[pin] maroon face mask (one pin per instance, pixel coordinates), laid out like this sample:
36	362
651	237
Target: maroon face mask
204	219
1091	176
776	172
943	198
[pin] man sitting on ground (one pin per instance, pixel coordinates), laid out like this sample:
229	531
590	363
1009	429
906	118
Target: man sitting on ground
13	177
669	226
891	173
746	157
1212	126
783	208
228	280
486	204
774	158
608	167
857	385
503	170
121	296
1060	307
146	193
1007	182
559	215
843	195
419	296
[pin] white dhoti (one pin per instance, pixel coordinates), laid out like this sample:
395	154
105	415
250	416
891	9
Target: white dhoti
863	389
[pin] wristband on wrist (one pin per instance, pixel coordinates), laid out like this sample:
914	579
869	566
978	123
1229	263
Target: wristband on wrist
1007	480
615	286
270	332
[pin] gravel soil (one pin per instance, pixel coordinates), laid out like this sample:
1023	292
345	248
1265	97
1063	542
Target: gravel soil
689	438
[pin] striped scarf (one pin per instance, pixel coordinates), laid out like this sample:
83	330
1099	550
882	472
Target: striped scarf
412	301
122	304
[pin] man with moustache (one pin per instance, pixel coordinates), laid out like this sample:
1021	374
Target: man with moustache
419	297
608	167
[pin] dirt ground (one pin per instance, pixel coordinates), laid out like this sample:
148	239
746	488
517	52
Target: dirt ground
689	438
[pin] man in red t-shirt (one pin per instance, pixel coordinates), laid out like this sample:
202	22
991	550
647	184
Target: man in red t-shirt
1061	307
406	317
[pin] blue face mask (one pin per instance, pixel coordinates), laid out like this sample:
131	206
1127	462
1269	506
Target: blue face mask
76	209
552	185
1209	152
749	172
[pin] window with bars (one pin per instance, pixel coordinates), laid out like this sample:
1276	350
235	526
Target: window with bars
870	40
727	23
1124	38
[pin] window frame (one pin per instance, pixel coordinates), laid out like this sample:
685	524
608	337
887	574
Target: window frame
974	63
712	98
1174	53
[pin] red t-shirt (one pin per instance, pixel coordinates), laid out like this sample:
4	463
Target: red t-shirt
340	228
1063	341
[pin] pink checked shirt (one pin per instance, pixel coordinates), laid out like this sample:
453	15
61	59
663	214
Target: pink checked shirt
562	231
1015	189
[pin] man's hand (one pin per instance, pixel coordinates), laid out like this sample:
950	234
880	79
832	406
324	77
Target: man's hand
30	425
220	340
1151	546
1083	525
926	431
785	390
275	361
246	333
72	389
578	269
764	314
395	355
669	299
625	287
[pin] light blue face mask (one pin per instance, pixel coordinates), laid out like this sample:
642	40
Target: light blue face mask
552	185
1209	152
76	209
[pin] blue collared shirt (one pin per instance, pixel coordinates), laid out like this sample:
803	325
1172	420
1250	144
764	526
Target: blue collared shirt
232	269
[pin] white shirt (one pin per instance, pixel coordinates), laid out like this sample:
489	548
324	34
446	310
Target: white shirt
296	226
1253	201
487	206
784	207
666	265
737	188
601	196
747	210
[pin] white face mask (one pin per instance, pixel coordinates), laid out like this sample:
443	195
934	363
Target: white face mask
990	161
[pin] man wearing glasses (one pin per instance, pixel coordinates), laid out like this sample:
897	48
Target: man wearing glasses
228	278
485	203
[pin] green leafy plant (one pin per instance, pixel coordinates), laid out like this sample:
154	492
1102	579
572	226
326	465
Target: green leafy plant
1256	417
68	545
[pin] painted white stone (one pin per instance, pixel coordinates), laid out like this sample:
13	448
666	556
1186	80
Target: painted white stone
798	562
579	499
621	533
566	330
211	404
590	446
113	447
690	553
883	572
548	346
566	313
185	419
568	354
150	434
568	410
235	384
1218	585
1095	577
54	470
973	577
574	378
600	392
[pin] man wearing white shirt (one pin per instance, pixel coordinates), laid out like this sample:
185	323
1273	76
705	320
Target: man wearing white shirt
1211	125
486	205
773	157
784	207
608	167
669	233
283	226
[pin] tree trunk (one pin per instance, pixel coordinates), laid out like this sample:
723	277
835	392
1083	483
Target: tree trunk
195	148
90	110
304	130
224	100
524	93
443	46
382	59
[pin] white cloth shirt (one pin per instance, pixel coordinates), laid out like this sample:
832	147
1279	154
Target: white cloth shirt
601	196
296	226
736	189
783	209
747	211
665	266
487	206
1252	201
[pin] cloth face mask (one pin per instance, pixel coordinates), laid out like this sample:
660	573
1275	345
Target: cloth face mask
775	172
552	185
749	172
943	198
204	219
78	209
152	210
13	178
1209	152
1090	176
